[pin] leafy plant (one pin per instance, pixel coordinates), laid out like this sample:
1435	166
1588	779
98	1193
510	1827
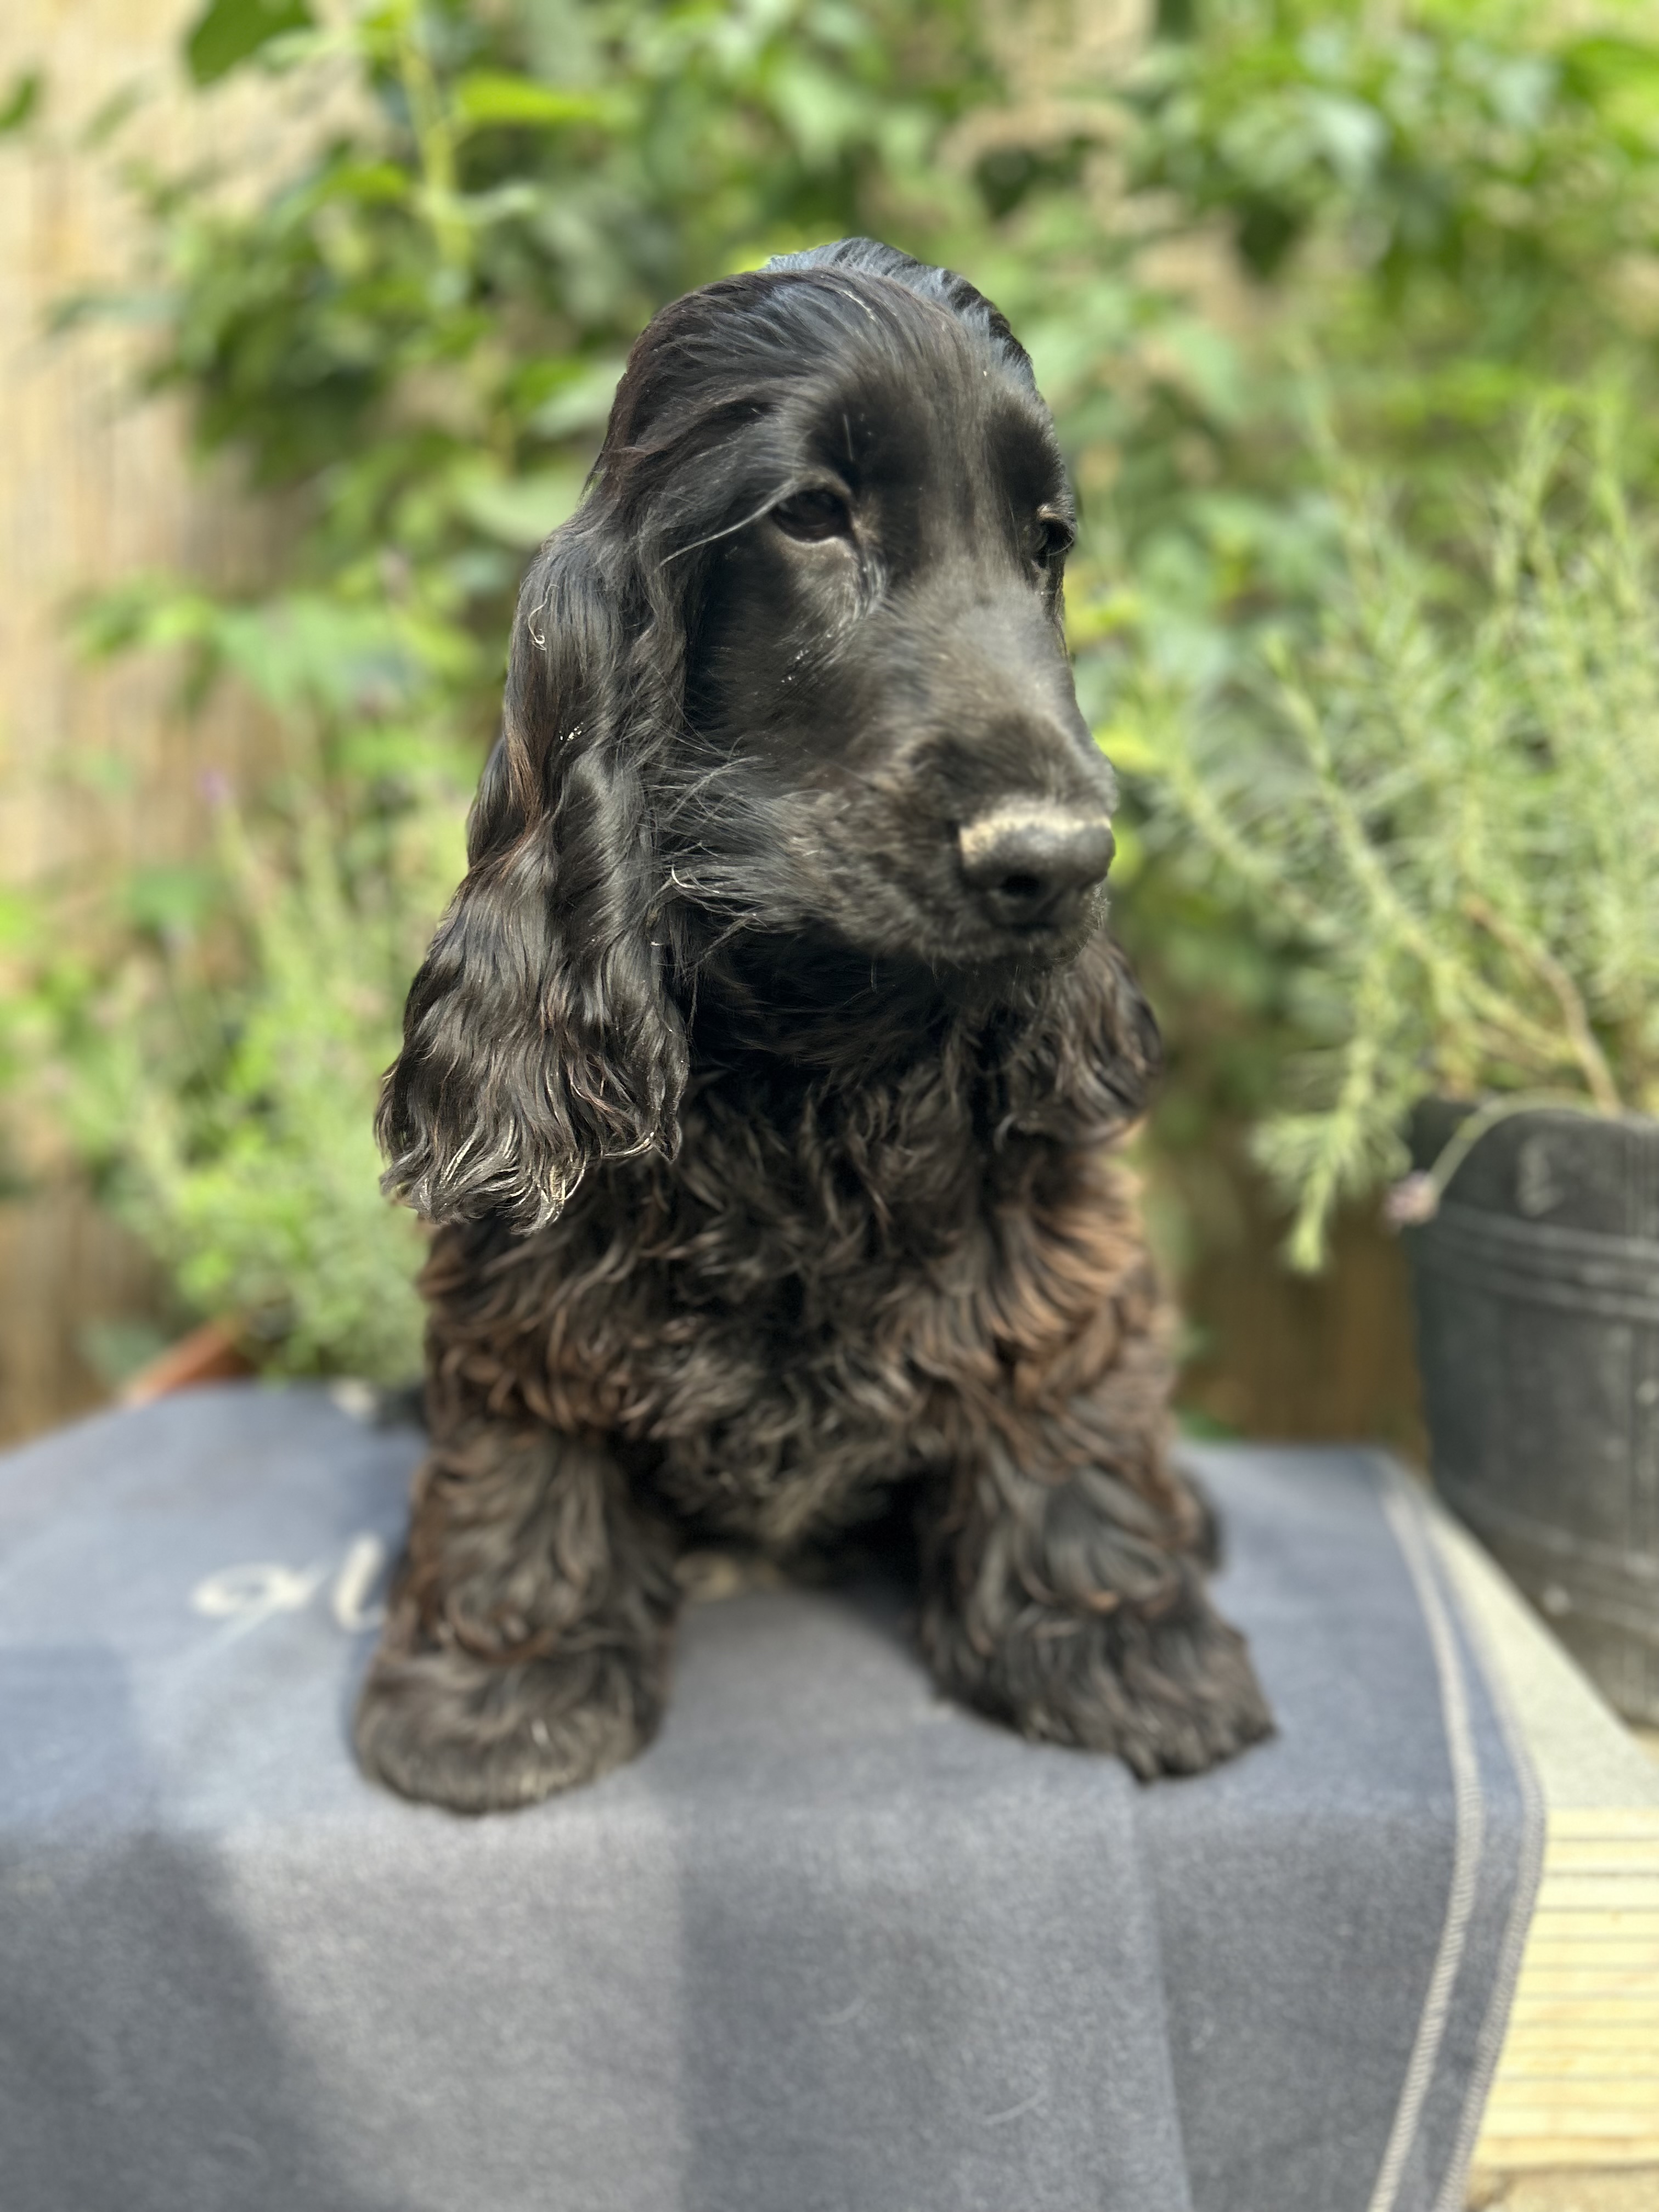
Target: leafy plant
232	1116
1439	216
1446	806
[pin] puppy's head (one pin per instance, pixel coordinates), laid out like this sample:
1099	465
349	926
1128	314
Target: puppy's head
883	742
795	668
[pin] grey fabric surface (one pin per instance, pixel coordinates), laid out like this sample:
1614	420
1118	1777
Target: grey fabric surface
831	1946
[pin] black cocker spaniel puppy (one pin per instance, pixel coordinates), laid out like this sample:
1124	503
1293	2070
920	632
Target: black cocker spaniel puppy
766	1072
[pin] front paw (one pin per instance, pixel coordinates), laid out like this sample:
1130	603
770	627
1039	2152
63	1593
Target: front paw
480	1736
1174	1693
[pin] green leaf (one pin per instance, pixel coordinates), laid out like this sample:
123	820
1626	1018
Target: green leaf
1129	748
230	31
581	401
21	103
521	510
1353	136
1611	62
487	96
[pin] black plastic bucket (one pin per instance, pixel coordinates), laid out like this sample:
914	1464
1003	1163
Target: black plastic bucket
1537	1293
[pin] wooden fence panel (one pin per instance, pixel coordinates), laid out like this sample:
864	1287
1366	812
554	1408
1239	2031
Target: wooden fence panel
96	484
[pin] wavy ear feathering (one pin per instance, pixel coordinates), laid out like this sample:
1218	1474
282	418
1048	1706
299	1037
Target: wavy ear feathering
539	1036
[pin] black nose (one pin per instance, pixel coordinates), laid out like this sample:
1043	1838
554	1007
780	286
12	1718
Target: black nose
1031	864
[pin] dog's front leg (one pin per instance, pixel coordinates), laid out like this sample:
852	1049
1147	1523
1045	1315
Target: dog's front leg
525	1647
1069	1600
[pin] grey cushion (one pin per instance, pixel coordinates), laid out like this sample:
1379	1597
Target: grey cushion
832	1943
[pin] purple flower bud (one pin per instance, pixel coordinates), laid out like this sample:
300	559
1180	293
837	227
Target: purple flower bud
1412	1200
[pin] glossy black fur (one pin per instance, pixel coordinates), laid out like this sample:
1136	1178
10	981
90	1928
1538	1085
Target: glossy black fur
773	1154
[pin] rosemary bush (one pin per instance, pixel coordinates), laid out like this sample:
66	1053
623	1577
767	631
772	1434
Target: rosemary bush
1445	806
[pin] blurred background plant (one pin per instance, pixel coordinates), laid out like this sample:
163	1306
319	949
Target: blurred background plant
1431	216
1443	806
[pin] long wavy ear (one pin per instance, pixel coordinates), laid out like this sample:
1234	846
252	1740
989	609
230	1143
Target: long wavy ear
538	1036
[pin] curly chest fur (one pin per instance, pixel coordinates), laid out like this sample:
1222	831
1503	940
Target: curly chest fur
822	1295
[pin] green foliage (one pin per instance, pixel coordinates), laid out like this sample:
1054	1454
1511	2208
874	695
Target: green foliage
411	341
1434	218
218	1027
1447	803
235	1118
20	102
1445	211
230	31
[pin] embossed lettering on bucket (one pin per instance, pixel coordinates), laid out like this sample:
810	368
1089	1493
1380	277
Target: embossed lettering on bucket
1537	1293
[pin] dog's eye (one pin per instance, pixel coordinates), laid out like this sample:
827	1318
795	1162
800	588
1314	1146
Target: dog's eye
812	515
1052	539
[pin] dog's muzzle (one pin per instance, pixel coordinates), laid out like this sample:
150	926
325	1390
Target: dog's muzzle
1033	866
